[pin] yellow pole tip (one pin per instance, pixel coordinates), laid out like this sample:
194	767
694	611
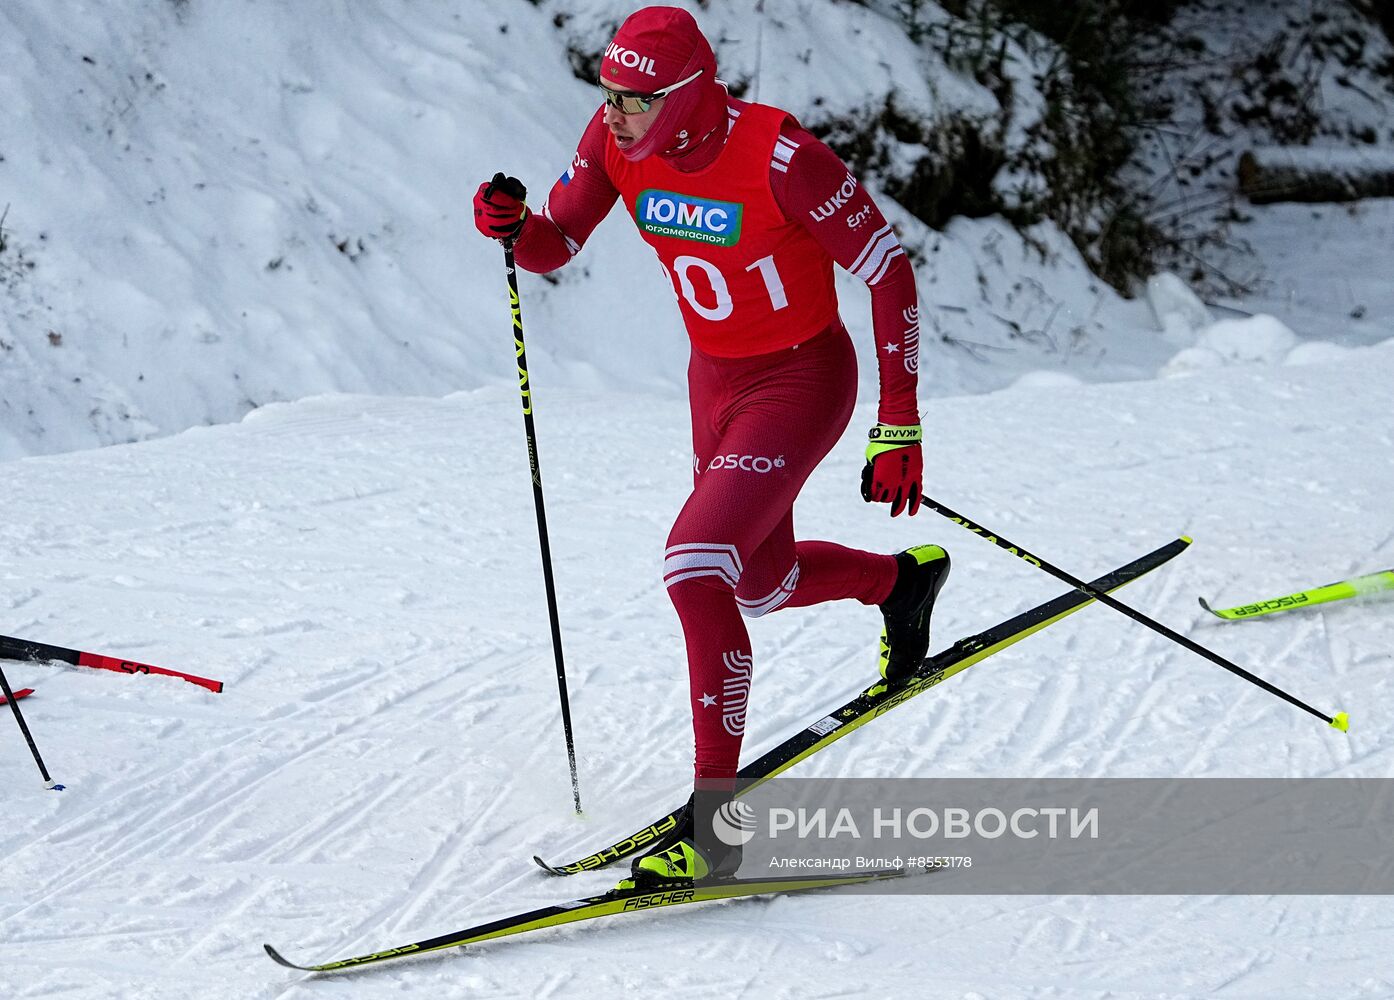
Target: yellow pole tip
1341	722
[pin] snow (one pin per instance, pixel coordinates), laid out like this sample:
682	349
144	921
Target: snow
362	573
326	505
1178	311
1325	269
1252	340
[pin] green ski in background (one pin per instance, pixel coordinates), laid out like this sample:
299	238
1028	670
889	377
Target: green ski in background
1355	587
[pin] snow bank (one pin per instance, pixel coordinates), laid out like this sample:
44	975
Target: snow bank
1257	339
1253	340
232	204
1178	311
213	207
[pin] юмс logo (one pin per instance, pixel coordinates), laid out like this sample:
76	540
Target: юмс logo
685	217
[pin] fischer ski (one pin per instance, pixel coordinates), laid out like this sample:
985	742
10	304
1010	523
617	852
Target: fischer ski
21	693
865	707
607	904
22	649
1338	591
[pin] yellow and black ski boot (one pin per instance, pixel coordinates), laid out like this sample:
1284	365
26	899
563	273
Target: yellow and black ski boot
693	856
905	635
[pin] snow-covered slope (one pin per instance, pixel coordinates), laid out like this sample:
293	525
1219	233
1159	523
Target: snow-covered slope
363	574
213	206
231	204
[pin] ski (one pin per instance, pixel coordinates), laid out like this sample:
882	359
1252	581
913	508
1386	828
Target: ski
22	649
1338	591
607	904
865	707
21	693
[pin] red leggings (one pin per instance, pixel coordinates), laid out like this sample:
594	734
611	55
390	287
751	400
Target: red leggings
760	426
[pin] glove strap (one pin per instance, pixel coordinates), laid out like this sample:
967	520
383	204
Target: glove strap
889	437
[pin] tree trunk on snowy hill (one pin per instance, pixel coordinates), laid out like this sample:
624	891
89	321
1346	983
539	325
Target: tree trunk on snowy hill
1305	173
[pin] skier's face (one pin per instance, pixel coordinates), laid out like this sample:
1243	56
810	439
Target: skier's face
629	129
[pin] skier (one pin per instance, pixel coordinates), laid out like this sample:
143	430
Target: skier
747	212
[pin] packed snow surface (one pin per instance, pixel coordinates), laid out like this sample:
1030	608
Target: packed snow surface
363	574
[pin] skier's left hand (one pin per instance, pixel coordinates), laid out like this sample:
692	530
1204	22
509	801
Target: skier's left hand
894	467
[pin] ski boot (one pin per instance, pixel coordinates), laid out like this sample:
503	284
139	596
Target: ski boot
686	856
905	636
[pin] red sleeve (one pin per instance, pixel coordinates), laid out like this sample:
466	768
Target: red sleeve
817	189
579	199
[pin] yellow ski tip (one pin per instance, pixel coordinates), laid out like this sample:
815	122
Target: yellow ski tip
1341	722
1188	539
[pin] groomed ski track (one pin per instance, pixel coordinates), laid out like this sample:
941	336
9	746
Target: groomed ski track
363	574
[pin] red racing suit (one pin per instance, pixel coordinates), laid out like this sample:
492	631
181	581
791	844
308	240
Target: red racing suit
748	241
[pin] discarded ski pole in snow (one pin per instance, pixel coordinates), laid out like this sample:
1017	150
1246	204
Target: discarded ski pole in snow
13	699
1338	721
22	649
1338	591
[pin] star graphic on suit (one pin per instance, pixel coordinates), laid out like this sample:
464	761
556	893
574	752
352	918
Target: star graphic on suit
708	700
891	348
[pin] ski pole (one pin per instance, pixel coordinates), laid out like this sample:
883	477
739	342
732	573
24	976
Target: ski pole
23	649
1339	721
13	699
539	506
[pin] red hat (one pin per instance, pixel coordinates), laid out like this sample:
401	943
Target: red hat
657	47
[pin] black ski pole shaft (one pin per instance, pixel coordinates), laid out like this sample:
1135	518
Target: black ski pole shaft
24	728
538	504
1339	720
